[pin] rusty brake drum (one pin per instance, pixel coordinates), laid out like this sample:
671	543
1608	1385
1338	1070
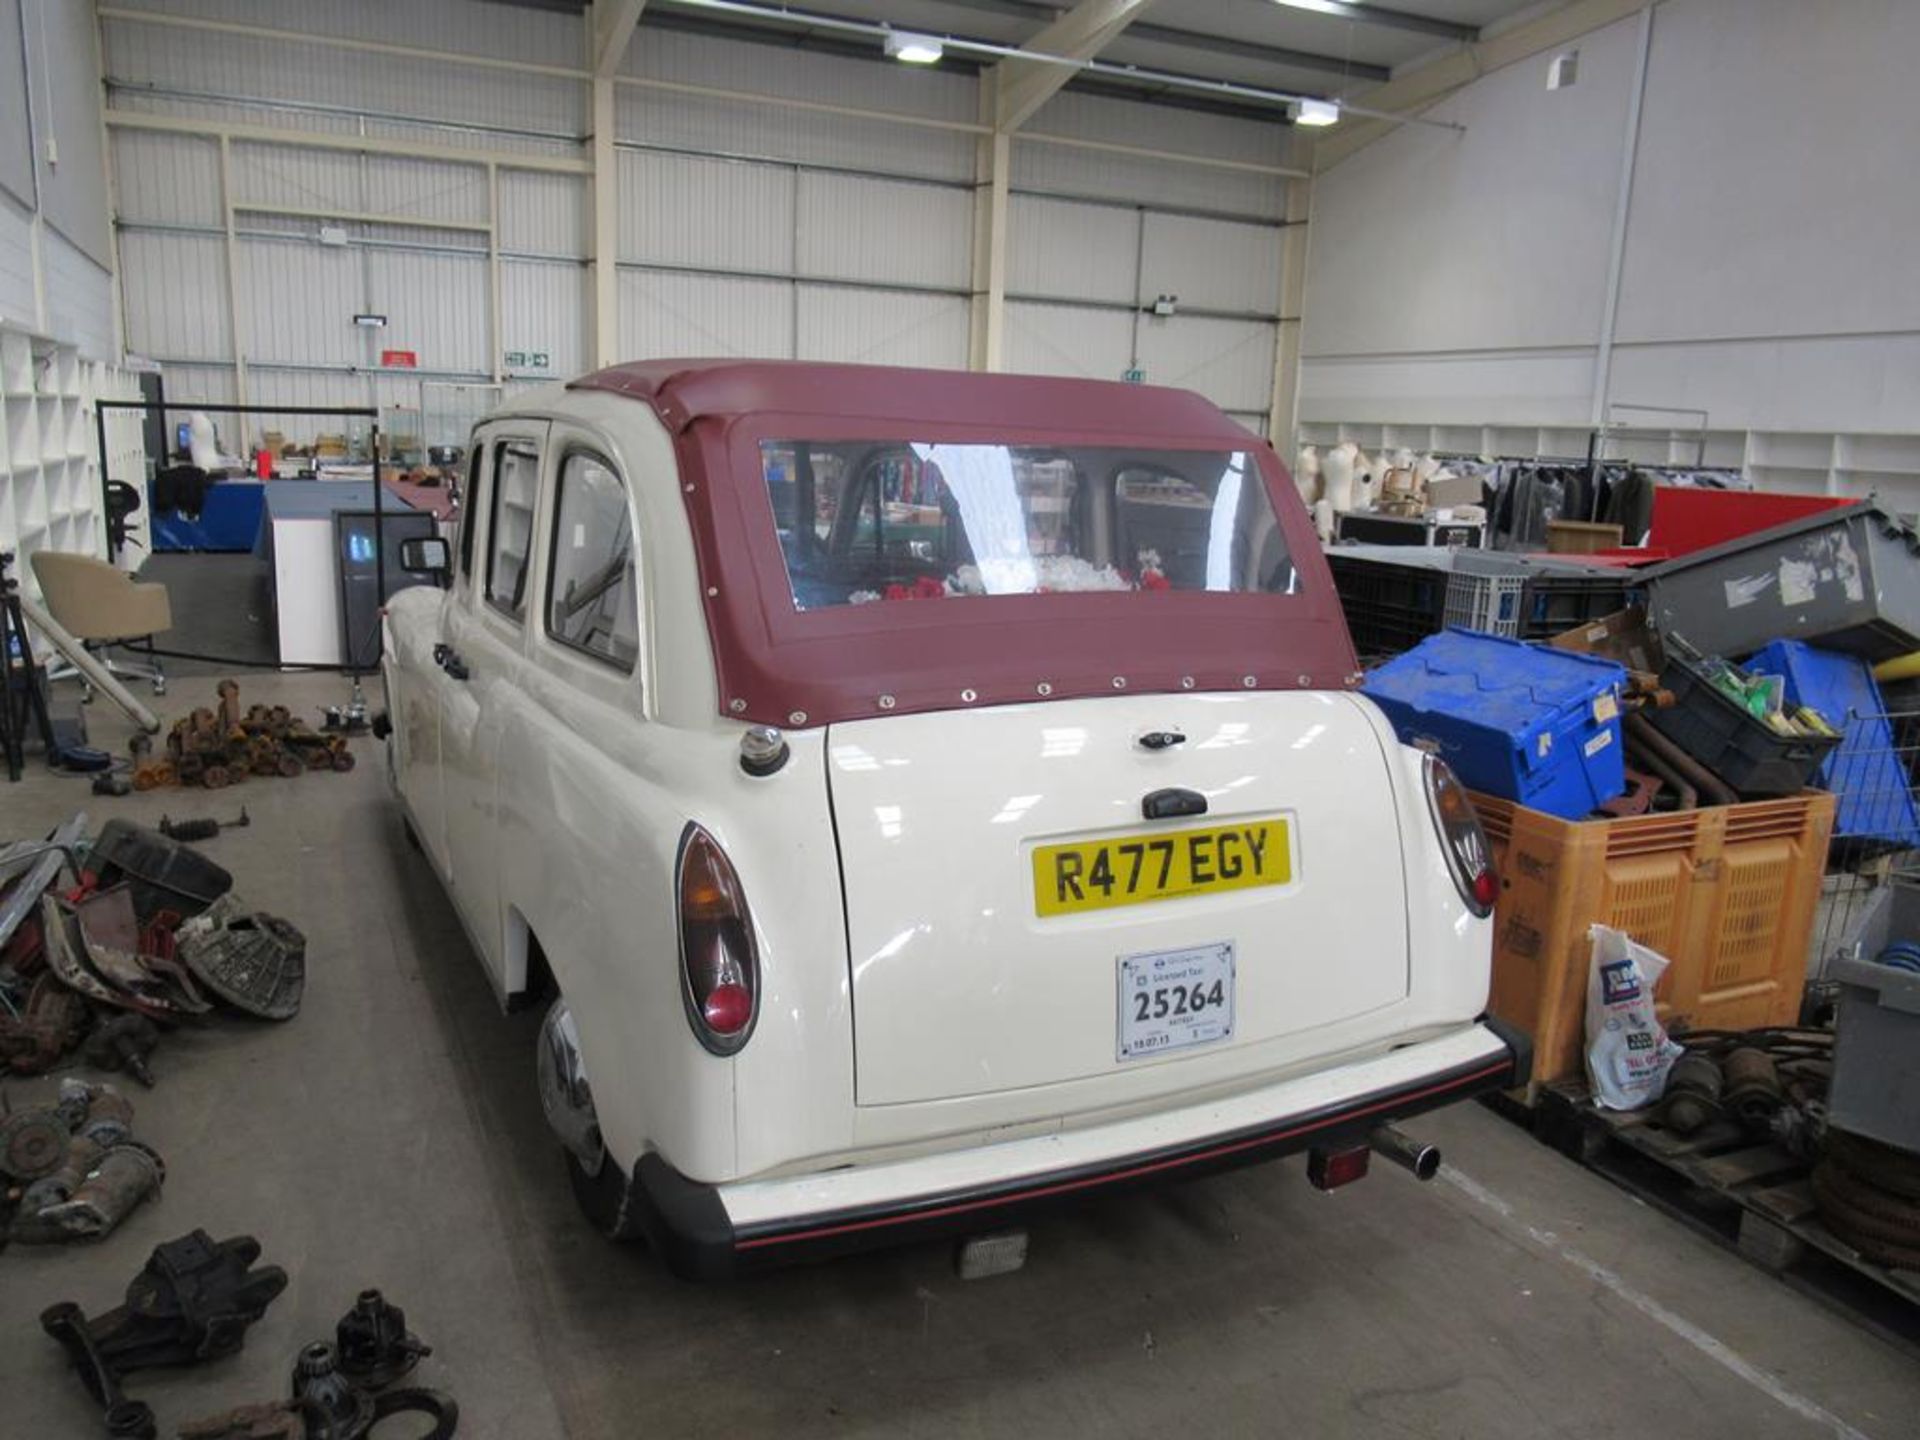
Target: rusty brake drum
254	961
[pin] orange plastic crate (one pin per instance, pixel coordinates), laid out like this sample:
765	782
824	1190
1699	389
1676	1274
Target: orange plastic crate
1727	894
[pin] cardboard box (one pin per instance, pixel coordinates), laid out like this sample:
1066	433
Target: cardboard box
1455	490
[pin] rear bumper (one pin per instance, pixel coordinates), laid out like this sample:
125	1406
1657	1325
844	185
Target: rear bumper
713	1231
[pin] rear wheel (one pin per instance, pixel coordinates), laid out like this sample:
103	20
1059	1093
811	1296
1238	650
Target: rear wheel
604	1198
599	1184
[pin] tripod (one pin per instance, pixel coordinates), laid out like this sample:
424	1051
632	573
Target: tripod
20	697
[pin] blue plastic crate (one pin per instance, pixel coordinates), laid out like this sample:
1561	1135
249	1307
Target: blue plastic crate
1537	726
1866	771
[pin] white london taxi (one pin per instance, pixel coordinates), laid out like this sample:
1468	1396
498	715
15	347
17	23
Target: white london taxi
925	797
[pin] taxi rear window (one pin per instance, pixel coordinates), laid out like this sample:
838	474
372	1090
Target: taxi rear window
871	521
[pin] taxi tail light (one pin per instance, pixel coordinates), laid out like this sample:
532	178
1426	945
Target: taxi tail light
719	961
1469	856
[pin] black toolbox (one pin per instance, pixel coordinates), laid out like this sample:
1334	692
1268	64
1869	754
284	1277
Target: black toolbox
1744	751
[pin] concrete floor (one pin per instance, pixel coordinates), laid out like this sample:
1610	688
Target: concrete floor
389	1135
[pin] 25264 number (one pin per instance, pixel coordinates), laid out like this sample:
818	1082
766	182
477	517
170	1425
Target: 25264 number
1165	1000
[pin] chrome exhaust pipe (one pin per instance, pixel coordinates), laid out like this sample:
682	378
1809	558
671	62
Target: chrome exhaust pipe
1422	1159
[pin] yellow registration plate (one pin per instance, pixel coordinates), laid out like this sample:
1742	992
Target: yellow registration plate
1100	874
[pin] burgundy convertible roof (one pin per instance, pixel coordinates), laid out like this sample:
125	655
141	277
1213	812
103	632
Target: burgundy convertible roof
683	391
778	665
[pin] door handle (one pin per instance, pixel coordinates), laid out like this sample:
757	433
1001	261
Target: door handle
444	657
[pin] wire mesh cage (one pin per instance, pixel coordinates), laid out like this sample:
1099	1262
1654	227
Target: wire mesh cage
1871	894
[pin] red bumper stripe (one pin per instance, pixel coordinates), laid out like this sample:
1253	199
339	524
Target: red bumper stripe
1063	1187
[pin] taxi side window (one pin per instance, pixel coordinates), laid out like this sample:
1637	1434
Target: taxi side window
516	479
591	605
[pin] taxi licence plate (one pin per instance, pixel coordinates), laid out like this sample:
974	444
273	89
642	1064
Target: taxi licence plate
1081	875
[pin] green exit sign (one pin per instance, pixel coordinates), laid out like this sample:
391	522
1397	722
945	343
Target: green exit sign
516	359
1135	376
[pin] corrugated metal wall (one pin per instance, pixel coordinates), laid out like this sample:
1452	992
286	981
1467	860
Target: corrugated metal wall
79	294
743	227
16	258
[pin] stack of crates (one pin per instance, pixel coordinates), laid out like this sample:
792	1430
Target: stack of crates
1395	596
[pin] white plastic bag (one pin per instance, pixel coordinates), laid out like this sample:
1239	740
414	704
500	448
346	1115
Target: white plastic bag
1628	1052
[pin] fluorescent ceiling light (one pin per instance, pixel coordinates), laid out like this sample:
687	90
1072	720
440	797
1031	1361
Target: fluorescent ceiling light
1317	112
1342	8
914	49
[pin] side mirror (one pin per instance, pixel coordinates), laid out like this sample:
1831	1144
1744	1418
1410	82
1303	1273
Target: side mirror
427	555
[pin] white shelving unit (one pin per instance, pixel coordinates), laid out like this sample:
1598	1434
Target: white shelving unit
1797	461
49	472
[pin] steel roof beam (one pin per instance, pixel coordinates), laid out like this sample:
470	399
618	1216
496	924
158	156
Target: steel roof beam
1082	33
613	22
1198	40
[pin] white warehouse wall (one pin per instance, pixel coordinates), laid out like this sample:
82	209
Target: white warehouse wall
743	227
55	234
1767	274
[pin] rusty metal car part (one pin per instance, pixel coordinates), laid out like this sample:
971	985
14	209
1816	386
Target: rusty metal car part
111	933
332	1405
1869	1196
1641	790
88	1105
229	693
1692	1096
374	1345
123	1177
254	961
1750	1085
33	1142
124	1042
82	1154
437	1403
273	1420
112	936
178	984
166	875
193	1300
124	1419
49	1025
63	959
206	829
32	868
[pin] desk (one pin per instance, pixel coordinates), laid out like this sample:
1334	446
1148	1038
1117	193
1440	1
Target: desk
229	519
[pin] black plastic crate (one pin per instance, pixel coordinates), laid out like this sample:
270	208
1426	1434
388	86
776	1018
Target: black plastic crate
1556	604
1389	608
1743	751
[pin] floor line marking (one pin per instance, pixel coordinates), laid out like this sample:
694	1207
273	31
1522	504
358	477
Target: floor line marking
1709	1345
